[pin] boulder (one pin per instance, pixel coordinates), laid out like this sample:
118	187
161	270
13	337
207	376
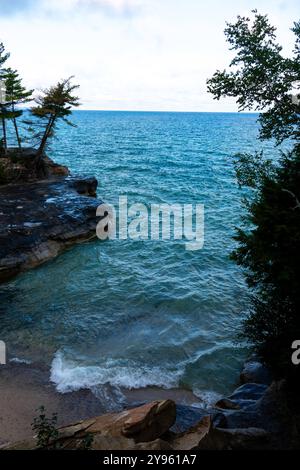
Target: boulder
150	421
143	424
227	404
255	372
137	428
187	417
122	443
191	439
247	394
234	439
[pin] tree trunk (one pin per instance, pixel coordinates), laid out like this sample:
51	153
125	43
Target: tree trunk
4	134
16	127
42	146
17	133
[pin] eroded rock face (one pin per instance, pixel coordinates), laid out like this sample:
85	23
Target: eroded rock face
137	428
191	439
39	220
265	425
234	439
20	166
143	424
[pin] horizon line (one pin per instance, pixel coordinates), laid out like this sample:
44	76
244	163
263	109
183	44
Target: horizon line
164	111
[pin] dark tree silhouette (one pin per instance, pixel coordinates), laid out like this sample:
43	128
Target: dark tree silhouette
52	105
16	94
261	78
3	111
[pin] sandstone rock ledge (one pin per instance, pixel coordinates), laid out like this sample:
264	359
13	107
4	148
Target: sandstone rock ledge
254	417
40	219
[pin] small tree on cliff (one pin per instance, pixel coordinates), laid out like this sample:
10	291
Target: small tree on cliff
16	94
52	105
3	111
269	245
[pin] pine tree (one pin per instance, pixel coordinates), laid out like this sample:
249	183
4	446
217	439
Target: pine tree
53	105
3	112
261	78
16	94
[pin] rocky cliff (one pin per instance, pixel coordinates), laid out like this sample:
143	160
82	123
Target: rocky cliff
41	217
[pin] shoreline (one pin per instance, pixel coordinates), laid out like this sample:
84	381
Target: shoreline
256	415
26	387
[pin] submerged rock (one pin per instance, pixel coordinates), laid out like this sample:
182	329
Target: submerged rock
40	219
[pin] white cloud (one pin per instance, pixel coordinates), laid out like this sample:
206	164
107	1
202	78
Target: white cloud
158	59
118	7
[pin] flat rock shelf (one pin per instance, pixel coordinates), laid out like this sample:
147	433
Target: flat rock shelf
40	219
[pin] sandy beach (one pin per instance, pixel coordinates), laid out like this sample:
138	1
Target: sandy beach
24	388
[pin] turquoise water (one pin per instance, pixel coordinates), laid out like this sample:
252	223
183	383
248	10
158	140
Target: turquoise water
138	313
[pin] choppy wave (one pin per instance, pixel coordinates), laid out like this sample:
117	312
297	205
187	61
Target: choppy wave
17	360
69	376
135	314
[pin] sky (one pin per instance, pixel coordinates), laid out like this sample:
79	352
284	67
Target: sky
150	55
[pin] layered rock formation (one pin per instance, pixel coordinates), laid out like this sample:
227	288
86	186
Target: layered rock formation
40	219
255	416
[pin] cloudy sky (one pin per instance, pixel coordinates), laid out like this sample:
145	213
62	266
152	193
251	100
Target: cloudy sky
131	54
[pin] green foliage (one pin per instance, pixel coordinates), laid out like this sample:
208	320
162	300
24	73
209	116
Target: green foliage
87	442
270	250
45	428
260	77
16	93
52	105
3	56
269	243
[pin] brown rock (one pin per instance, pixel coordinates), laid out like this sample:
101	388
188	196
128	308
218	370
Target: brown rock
158	444
138	428
26	444
54	169
227	404
150	421
143	424
191	439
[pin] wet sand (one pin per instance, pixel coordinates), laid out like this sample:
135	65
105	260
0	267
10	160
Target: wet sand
24	388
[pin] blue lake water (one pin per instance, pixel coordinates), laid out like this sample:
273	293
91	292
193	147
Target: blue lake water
138	313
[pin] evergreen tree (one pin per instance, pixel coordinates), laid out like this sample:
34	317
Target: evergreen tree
261	78
3	111
52	105
16	94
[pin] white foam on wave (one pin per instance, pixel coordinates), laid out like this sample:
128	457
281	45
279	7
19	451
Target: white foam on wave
207	398
17	360
70	376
